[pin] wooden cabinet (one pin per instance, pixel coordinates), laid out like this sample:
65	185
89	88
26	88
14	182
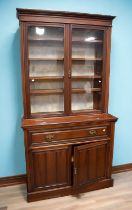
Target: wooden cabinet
69	135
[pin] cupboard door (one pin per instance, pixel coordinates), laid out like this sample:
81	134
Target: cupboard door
87	67
46	69
90	163
51	167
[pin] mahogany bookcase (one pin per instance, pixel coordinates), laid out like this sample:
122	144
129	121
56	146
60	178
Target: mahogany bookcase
69	135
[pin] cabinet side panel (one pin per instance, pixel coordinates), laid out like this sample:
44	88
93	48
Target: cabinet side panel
24	69
106	68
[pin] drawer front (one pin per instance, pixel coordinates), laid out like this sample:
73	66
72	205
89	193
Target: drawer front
69	134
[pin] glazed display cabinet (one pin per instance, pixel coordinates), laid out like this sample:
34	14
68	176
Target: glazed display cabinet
69	135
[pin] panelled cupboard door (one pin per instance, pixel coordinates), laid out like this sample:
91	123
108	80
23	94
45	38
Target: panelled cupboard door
51	167
90	163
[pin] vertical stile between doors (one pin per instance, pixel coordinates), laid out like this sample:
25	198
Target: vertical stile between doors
67	69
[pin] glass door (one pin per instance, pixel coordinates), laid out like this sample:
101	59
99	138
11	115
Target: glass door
87	64
46	69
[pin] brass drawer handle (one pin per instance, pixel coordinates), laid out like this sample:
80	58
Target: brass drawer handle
92	132
49	137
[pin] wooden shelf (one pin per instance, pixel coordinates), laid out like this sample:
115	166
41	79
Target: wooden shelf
97	41
46	40
87	59
45	92
40	114
61	91
81	90
41	78
85	110
62	59
46	59
87	77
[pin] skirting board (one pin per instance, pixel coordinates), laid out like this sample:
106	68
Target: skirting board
122	168
12	180
21	179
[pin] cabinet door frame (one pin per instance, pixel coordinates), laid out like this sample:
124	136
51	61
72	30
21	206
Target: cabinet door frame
32	186
87	146
25	68
105	66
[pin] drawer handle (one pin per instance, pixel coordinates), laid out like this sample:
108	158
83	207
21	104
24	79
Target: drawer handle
92	132
49	137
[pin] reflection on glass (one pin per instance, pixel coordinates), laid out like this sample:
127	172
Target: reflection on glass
40	31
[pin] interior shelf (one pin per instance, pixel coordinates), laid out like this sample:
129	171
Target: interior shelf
61	59
60	91
61	40
46	40
41	78
81	90
46	59
86	59
87	77
88	42
85	110
49	91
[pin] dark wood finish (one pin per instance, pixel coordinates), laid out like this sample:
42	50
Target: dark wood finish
67	58
86	77
43	78
60	40
67	70
90	163
22	178
106	65
12	180
67	152
61	59
40	195
68	121
86	59
50	167
69	134
122	168
45	92
30	15
61	91
46	59
21	11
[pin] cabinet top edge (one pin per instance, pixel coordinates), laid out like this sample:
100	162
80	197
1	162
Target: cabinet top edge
21	11
104	117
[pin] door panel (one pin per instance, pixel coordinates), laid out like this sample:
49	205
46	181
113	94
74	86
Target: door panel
90	162
51	167
46	68
87	68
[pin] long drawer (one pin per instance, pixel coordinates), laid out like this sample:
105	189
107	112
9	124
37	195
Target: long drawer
68	134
